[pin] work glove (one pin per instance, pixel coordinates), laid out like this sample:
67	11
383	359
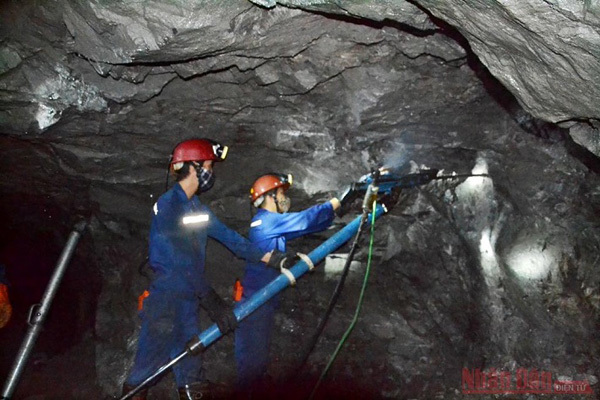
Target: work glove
283	260
219	311
347	197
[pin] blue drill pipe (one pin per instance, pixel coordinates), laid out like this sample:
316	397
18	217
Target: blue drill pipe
246	308
242	310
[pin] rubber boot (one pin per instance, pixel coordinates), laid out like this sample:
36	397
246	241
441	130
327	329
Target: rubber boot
141	395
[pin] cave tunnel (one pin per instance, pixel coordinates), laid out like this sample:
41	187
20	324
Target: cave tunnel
469	276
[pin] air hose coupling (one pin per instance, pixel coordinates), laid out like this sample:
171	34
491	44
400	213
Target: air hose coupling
372	190
194	346
370	197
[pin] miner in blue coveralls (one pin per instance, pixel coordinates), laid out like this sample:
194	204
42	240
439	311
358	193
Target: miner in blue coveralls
178	234
270	229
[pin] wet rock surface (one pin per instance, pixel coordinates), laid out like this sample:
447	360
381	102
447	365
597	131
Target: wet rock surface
480	273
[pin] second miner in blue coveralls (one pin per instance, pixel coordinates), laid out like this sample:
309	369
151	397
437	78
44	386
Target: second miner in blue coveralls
270	229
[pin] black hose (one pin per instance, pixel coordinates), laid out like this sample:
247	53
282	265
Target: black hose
338	289
336	294
334	297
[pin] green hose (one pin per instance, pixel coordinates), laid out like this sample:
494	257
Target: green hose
356	312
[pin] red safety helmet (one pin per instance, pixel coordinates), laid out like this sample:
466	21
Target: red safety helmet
266	183
198	150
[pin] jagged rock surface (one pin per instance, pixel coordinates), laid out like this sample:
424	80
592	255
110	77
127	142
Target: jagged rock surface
553	72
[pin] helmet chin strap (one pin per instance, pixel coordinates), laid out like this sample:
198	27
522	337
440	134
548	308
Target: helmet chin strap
168	171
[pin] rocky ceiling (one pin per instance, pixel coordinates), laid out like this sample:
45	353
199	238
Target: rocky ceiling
486	273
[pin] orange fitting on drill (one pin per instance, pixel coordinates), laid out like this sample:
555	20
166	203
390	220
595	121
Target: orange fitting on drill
238	290
141	300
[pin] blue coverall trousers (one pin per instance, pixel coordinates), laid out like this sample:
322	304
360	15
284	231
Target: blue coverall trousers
169	321
252	340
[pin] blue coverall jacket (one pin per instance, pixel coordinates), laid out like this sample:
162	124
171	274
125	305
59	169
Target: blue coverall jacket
269	231
170	315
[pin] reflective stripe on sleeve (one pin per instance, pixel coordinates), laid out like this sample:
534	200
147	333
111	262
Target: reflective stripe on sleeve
195	219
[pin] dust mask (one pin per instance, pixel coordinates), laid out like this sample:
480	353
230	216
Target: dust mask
206	180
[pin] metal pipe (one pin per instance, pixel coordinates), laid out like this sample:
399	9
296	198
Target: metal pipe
38	312
242	310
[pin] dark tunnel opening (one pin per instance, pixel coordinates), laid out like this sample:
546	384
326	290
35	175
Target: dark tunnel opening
31	242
